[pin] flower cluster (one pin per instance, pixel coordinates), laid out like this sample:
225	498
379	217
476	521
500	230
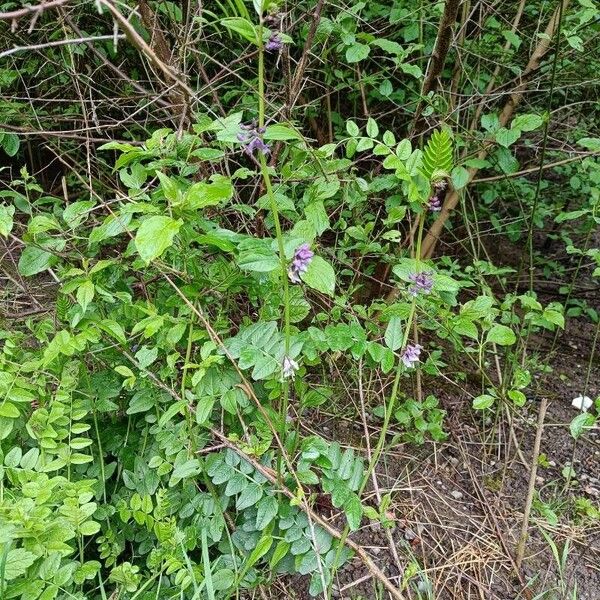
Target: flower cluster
300	262
274	43
435	202
410	356
251	137
422	283
289	367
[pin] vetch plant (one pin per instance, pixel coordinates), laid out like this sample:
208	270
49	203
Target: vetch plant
238	265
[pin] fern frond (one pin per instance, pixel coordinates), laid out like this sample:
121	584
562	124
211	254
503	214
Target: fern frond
437	155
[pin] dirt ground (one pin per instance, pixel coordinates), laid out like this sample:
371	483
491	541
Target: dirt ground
458	506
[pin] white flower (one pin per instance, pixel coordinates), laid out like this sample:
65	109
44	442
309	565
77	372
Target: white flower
583	403
289	367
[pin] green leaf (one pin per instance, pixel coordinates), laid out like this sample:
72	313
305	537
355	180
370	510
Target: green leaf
580	423
501	335
315	213
490	122
89	528
6	219
352	128
393	334
257	255
141	402
483	401
266	510
202	194
113	329
251	494
410	69
460	177
13	457
554	317
76	212
222	578
17	563
437	155
279	553
527	122
243	27
512	38
262	547
10	143
187	469
282	133
357	52
146	356
590	143
169	187
8	410
386	88
85	294
354	511
517	397
372	128
506	137
155	235
34	260
320	276
112	226
204	409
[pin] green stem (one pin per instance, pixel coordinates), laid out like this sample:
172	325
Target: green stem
278	233
188	414
101	454
389	407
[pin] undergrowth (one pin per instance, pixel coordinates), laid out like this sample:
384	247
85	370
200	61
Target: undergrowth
186	299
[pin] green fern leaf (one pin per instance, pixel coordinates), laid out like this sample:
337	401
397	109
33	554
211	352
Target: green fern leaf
63	304
437	156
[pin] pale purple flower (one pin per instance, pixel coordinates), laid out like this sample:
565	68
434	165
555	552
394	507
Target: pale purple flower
274	44
434	204
300	262
410	356
422	283
251	137
289	367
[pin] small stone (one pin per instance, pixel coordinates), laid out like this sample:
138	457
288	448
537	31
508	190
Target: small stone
539	480
454	461
456	494
376	550
551	463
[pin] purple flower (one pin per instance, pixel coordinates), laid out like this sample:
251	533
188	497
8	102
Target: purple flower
422	283
434	204
410	356
288	367
251	137
300	262
274	44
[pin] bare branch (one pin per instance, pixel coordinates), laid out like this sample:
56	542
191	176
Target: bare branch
15	15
